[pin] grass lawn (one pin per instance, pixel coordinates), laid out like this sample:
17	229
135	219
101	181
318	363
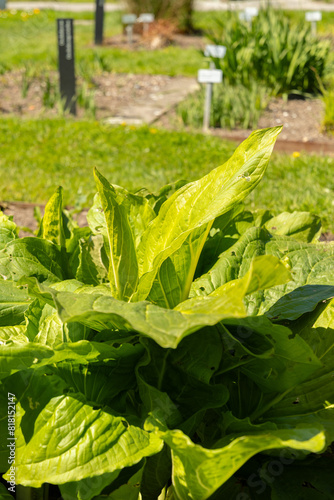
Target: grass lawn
31	42
37	156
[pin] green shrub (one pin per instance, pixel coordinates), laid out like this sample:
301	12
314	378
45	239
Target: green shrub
166	349
232	106
283	56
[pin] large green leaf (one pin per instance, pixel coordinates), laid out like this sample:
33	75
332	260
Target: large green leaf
197	204
73	441
19	356
32	257
291	362
311	264
93	261
198	472
123	267
311	396
8	230
156	474
52	227
173	280
13	304
302	226
168	381
310	481
99	310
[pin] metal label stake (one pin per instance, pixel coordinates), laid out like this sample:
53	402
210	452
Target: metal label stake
313	18
66	63
99	18
128	21
209	76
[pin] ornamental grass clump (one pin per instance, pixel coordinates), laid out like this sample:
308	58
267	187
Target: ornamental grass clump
176	347
285	57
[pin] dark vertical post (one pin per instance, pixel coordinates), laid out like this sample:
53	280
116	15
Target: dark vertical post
99	15
66	63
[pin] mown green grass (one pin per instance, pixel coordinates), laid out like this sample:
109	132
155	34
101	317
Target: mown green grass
33	43
37	156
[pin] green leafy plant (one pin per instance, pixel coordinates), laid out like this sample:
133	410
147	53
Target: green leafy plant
283	56
174	348
233	106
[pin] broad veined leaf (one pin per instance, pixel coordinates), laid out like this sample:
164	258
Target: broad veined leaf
312	395
197	204
308	481
174	277
166	326
129	490
311	264
167	387
156	474
87	488
139	211
198	471
93	261
263	272
291	362
123	266
149	380
302	226
78	234
303	299
13	303
324	417
97	309
241	345
32	257
8	230
52	228
15	334
101	381
320	334
72	441
33	389
18	356
223	236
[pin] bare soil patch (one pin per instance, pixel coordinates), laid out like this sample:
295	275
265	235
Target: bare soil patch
108	92
23	214
111	93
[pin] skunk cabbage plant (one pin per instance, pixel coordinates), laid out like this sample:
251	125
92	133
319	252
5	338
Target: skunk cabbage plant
176	347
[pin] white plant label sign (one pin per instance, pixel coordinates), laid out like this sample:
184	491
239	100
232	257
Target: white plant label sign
217	51
129	19
146	18
210	76
313	16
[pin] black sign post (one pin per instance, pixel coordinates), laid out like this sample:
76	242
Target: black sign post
66	63
99	15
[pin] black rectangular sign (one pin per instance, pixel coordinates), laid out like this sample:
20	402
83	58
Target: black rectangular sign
99	15
66	63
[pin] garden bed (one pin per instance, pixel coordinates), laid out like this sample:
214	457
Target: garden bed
110	94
